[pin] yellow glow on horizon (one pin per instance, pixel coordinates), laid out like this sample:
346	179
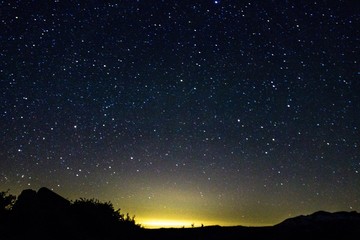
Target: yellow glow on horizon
162	223
172	223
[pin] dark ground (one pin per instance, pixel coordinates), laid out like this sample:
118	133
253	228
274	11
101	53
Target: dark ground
46	215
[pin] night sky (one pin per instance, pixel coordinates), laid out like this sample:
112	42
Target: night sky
214	112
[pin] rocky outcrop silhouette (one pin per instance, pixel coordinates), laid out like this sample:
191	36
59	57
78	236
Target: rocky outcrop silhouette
36	204
40	213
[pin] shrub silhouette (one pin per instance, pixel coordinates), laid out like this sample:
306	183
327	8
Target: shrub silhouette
92	211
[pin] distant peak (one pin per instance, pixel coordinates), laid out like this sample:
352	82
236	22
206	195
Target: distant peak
321	217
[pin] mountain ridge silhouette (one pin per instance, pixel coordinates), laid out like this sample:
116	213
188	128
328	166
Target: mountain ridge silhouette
321	217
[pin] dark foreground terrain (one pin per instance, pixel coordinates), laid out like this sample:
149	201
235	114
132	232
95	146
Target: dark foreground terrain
46	215
320	225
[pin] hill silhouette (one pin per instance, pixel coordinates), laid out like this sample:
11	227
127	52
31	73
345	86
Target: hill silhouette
46	215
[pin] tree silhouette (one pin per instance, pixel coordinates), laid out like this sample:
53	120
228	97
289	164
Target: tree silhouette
6	200
6	203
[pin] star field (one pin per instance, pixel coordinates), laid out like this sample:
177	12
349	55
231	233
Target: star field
221	112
